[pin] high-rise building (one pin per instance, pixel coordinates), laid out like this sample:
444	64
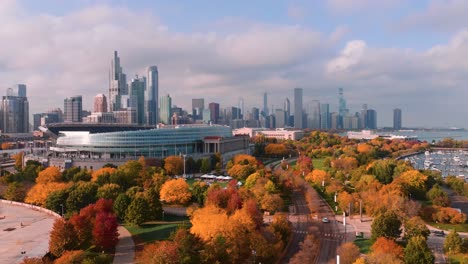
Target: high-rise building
280	118
58	112
73	107
14	110
334	117
165	109
397	118
313	114
255	113
363	117
235	113
151	96
342	109
298	108
100	103
214	110
198	105
137	91
117	83
241	108
41	119
287	111
371	119
325	122
265	104
206	116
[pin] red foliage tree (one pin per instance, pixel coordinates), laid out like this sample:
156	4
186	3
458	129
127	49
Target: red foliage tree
105	233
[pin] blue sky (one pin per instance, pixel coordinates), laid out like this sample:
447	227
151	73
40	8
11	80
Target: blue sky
384	53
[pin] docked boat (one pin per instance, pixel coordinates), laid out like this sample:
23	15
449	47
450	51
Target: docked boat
456	158
427	153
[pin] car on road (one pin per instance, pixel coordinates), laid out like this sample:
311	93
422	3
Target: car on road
325	220
439	232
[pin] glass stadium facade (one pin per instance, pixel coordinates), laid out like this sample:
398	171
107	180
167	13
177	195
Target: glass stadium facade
157	142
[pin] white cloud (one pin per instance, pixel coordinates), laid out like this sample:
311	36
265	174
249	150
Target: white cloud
346	6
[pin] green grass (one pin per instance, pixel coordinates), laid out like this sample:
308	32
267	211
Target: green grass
159	230
363	245
221	183
448	227
318	163
458	258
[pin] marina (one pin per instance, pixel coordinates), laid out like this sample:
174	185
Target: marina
447	162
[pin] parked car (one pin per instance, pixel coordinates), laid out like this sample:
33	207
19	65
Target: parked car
325	220
439	232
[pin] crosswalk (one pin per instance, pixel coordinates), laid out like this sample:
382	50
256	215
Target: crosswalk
326	235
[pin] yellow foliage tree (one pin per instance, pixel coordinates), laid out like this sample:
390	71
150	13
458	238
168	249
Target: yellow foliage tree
244	158
51	174
174	165
364	148
39	193
176	191
317	176
102	171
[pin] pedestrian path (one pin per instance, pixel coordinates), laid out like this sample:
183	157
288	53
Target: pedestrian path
125	249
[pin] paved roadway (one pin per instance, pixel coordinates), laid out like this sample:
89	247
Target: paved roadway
331	237
23	229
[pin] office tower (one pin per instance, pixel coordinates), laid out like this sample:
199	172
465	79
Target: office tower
151	96
241	108
397	118
235	113
73	107
342	110
265	104
100	103
325	122
363	117
58	112
137	91
117	84
255	113
206	116
334	117
280	118
313	114
371	119
298	108
165	109
14	110
214	110
41	119
287	111
198	105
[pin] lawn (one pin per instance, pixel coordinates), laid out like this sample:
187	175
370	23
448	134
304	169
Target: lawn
363	245
318	163
159	230
448	227
192	181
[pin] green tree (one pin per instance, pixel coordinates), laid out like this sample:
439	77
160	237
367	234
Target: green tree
155	206
15	192
205	166
83	175
386	225
438	196
138	211
199	191
453	243
108	191
188	246
417	251
56	200
121	204
415	226
81	195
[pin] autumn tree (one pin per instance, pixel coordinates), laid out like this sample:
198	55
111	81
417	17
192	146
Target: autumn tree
50	174
160	252
415	226
18	160
105	170
188	246
348	253
386	225
414	183
38	193
276	150
176	191
438	196
105	233
108	191
307	252
453	243
318	176
344	199
418	252
15	192
121	204
62	237
174	165
386	249
281	226
138	211
240	171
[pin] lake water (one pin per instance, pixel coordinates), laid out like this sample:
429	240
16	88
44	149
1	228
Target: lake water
429	135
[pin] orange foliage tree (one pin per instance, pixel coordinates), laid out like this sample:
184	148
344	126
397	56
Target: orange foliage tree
174	165
348	252
102	171
277	150
51	174
38	193
176	191
383	246
317	176
160	252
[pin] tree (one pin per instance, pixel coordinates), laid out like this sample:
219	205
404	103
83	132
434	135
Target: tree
102	171
81	195
108	191
121	204
417	251
199	191
241	172
15	192
73	256
18	160
176	191
174	165
154	203
138	211
317	176
188	246
161	252
386	225
384	246
51	174
105	233
453	243
205	165
307	253
276	150
415	226
438	196
348	253
281	226
56	200
62	237
38	193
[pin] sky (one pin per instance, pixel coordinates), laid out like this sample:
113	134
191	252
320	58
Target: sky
387	54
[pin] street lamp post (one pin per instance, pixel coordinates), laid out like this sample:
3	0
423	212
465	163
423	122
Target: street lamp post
185	155
61	205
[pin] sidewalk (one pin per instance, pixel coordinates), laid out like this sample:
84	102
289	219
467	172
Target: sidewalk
125	249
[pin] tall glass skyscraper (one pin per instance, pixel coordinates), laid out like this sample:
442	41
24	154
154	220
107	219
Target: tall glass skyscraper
165	105
73	107
117	83
14	110
397	118
298	108
371	119
137	91
313	114
151	96
325	122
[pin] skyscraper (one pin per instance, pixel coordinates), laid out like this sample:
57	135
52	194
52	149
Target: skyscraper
73	107
165	109
280	118
298	108
241	107
397	118
137	91
151	96
363	117
313	114
325	122
287	111
371	119
198	105
265	104
100	103
255	113
214	110
117	83
342	110
14	110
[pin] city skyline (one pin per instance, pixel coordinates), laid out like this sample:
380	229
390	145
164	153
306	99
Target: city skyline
69	45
